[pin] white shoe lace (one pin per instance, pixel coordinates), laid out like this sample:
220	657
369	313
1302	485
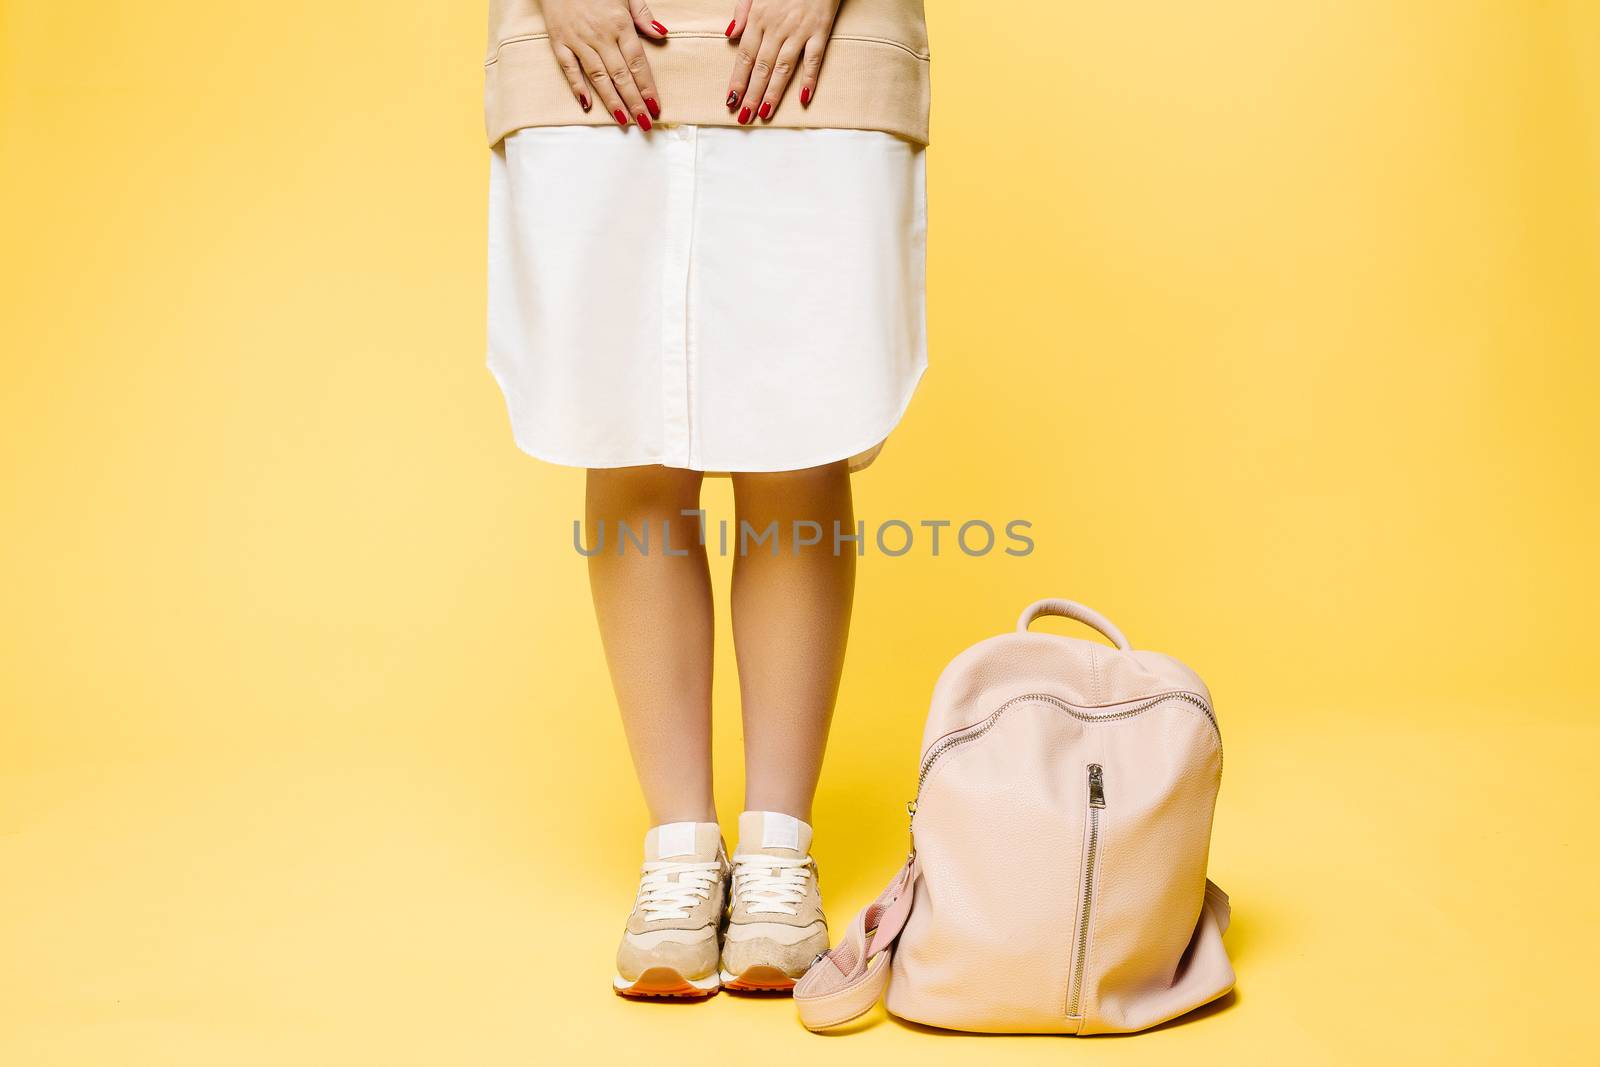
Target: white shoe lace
670	890
772	884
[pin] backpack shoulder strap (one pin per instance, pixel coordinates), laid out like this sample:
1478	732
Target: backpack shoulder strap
847	981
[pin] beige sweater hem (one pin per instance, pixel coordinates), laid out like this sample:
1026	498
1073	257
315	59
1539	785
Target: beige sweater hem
867	83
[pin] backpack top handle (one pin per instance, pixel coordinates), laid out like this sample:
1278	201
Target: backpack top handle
1071	609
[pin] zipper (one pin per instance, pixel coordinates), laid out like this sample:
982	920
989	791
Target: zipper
977	730
1091	850
911	829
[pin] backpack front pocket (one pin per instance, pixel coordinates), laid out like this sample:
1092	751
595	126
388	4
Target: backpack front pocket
998	832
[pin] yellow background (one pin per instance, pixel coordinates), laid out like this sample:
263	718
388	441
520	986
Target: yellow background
1278	320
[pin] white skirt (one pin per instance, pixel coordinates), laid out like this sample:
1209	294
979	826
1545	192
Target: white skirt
713	298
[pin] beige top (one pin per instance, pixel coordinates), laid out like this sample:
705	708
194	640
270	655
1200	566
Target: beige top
874	76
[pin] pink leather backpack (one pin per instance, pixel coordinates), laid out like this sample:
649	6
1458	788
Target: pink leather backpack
1057	877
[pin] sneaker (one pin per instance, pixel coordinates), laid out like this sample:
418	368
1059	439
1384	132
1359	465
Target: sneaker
775	926
670	946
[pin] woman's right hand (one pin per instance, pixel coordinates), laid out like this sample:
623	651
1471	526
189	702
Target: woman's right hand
597	44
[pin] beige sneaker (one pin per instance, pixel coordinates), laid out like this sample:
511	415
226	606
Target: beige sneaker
670	946
775	927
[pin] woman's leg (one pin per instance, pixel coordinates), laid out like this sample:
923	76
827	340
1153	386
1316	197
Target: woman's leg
791	618
655	617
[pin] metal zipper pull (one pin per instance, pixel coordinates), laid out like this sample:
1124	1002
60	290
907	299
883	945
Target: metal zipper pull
911	832
1097	786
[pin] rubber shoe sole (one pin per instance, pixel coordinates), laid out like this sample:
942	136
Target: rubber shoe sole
666	982
758	980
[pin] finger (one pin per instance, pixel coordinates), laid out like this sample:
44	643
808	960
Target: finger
594	68
760	74
621	68
646	22
744	61
741	16
811	68
783	69
573	72
643	78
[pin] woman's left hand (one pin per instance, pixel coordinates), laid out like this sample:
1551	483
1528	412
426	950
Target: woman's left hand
776	38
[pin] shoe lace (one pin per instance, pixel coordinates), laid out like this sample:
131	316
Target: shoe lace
669	889
772	884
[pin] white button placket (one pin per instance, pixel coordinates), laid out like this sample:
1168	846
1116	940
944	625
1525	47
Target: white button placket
678	446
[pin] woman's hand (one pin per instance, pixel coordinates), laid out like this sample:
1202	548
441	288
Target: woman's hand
597	43
776	38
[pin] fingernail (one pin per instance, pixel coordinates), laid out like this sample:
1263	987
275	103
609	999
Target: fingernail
622	120
644	121
744	115
583	101
766	109
805	95
659	28
729	31
733	98
655	108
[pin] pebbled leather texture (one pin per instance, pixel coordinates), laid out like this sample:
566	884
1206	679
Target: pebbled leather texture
1003	830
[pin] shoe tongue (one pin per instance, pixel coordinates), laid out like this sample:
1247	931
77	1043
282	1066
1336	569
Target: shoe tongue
685	842
773	833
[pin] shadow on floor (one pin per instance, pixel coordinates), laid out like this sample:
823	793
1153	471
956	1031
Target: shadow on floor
1244	939
1227	1002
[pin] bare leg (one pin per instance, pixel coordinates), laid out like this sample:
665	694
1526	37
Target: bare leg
791	618
655	617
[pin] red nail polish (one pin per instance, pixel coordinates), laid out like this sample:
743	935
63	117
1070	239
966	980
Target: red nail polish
744	115
662	30
622	120
655	108
583	101
644	121
733	98
805	95
766	109
729	31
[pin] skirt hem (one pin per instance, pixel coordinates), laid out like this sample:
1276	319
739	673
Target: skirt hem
867	450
